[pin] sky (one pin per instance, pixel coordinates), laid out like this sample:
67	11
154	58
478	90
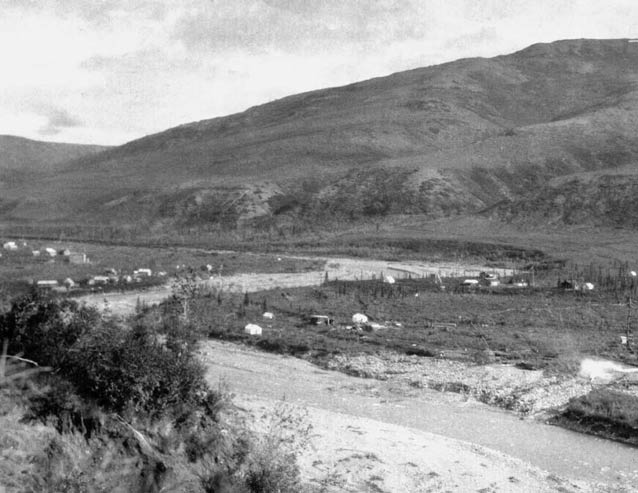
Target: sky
110	71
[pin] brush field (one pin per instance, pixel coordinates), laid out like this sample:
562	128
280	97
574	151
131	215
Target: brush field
538	327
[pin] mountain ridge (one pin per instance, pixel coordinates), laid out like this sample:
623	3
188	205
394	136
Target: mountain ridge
21	153
456	138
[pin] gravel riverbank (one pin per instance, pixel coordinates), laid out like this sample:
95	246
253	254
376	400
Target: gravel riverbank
528	392
370	432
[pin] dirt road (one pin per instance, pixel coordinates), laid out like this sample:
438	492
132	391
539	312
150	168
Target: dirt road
369	436
336	268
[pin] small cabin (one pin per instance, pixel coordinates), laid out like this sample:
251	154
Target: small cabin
98	281
77	258
253	330
46	284
321	320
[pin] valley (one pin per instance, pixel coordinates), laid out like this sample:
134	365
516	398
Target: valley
424	281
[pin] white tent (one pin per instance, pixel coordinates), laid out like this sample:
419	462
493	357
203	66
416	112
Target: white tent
253	330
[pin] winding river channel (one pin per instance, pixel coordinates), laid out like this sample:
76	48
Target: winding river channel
123	303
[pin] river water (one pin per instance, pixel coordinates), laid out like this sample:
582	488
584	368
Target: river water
123	303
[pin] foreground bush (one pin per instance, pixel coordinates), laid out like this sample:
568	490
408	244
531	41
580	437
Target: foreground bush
263	462
126	369
131	411
122	368
44	328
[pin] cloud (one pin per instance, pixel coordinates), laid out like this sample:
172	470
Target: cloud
98	12
359	8
472	41
151	61
295	26
129	68
58	120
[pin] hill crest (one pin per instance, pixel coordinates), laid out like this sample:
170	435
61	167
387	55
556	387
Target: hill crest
455	138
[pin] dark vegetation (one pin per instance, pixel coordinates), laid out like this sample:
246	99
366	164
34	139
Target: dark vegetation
602	412
398	246
113	245
133	396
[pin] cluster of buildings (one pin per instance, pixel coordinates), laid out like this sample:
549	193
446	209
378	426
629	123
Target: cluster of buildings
109	277
64	254
19	253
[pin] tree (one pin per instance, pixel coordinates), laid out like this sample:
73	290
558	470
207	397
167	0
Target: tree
186	287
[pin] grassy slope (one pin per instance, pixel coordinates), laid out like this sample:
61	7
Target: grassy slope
464	135
18	153
25	161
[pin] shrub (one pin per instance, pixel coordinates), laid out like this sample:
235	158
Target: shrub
221	482
70	463
603	412
132	370
44	328
117	366
272	464
102	367
261	462
59	405
605	405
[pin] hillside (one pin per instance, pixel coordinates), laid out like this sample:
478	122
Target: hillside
450	139
24	163
18	153
600	198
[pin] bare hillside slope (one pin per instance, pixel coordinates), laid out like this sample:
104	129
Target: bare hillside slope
18	153
450	139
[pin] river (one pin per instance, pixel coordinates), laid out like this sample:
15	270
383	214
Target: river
123	303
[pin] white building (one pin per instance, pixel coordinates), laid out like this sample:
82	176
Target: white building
51	252
47	284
